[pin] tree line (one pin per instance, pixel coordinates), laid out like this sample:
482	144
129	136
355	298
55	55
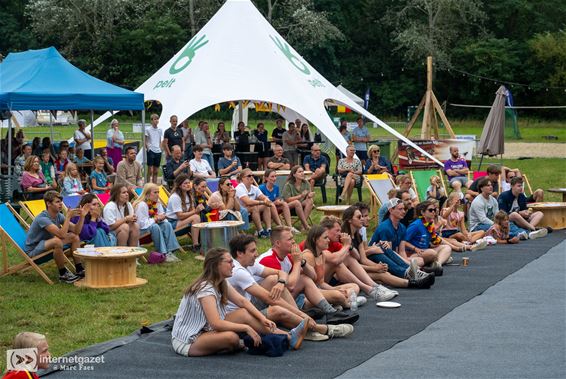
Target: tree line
382	45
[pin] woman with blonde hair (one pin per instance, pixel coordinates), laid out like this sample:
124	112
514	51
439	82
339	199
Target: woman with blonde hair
349	171
151	218
201	325
376	164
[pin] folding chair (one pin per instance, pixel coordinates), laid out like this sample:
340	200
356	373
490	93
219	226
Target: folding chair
322	183
527	183
379	185
163	196
13	232
421	181
339	189
212	184
71	202
32	208
104	198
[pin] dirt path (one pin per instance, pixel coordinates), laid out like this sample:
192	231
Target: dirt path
534	150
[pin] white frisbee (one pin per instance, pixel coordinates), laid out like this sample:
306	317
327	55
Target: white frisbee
388	304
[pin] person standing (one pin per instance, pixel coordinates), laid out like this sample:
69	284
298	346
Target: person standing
173	136
189	139
203	139
277	133
83	138
360	137
114	142
153	148
291	139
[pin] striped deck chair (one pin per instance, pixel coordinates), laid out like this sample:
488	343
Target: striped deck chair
379	185
164	196
421	181
12	232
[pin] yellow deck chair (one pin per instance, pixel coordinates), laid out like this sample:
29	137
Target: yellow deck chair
32	208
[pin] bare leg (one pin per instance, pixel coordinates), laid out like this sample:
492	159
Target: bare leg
538	195
443	253
286	214
275	215
388	279
134	237
535	218
300	213
214	342
266	212
122	234
308	206
256	218
57	245
521	222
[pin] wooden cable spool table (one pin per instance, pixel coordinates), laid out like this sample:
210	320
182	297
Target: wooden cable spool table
110	267
559	190
333	210
216	233
554	214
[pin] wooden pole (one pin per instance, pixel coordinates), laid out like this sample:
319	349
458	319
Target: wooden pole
443	116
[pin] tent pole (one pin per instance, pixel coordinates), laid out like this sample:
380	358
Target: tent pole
9	147
51	126
91	134
143	145
481	160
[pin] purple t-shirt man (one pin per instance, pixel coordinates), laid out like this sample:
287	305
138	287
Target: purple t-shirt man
454	165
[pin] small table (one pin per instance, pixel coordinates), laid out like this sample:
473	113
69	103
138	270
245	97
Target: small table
110	267
554	214
333	210
559	190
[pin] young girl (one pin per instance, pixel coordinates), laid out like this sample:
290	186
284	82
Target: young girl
98	178
500	229
152	219
72	185
440	224
455	227
179	211
47	167
435	191
270	189
202	326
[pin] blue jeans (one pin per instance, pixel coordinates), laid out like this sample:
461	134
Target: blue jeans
514	230
484	227
210	159
245	218
163	237
102	239
395	264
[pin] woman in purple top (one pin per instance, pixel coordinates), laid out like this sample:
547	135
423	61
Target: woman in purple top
33	182
95	231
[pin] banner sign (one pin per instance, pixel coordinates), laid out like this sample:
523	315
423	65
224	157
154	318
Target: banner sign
410	158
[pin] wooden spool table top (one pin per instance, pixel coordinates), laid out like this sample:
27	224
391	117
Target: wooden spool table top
219	224
115	252
554	213
547	205
333	210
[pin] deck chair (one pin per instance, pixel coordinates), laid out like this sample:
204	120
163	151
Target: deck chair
421	181
104	198
13	232
478	174
71	202
379	185
164	196
32	208
212	184
527	183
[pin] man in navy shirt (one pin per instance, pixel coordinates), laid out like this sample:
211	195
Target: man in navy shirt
514	203
316	163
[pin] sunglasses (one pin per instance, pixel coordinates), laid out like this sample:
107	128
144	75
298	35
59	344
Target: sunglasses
431	210
248	176
228	184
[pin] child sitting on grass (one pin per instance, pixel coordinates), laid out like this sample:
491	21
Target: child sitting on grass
500	229
435	191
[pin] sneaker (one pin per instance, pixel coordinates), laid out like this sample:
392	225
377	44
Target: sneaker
171	258
538	234
412	270
81	274
479	245
316	336
297	335
68	277
263	234
361	300
435	271
450	260
341	330
381	293
422	283
548	229
295	230
523	236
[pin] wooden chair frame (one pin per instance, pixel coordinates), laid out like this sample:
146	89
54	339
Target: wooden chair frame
416	188
375	203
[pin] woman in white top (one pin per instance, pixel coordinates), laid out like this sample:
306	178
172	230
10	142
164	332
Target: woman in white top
152	219
202	326
119	216
228	206
179	211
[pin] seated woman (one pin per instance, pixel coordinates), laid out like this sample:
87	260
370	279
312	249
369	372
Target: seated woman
255	202
349	171
375	164
72	185
199	195
271	190
297	193
375	261
404	183
95	231
33	182
422	240
201	325
224	200
455	227
179	211
316	245
119	215
151	218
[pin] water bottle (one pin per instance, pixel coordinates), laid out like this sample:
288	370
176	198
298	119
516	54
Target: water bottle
353	301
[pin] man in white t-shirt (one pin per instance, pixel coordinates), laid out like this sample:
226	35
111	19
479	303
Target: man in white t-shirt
271	296
82	139
153	148
200	167
256	203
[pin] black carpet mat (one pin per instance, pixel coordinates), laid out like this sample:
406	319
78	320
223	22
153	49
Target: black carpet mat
151	356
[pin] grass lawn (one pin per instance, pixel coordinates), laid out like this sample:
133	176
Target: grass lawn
73	318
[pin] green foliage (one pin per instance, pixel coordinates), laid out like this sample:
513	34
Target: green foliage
550	51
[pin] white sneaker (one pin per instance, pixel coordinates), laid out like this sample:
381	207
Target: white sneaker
316	336
412	270
295	230
449	260
381	293
171	258
538	234
479	245
523	236
340	330
361	300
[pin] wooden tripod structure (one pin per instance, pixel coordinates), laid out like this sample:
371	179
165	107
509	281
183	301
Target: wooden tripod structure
431	107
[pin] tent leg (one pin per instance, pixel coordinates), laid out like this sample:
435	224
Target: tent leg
9	147
51	126
91	135
143	146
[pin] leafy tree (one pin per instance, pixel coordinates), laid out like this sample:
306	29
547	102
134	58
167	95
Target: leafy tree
550	50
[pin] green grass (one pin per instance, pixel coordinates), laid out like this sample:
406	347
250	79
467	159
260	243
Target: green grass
73	318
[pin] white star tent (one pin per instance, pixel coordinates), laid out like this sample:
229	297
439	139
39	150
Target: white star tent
237	56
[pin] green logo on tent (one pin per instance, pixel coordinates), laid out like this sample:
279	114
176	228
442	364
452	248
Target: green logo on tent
187	55
286	50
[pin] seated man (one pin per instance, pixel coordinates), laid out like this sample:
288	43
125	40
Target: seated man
493	172
51	230
269	293
508	174
286	256
199	166
176	165
457	170
129	171
514	203
316	163
278	161
229	164
483	207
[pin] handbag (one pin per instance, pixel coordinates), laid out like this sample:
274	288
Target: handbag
272	345
155	258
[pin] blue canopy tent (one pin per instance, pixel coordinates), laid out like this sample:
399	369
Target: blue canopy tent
44	80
